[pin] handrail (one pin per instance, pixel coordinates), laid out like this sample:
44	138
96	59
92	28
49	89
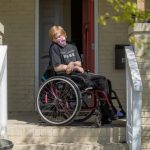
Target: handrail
133	67
3	90
134	100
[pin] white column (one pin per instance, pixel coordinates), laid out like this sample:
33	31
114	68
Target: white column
3	91
36	47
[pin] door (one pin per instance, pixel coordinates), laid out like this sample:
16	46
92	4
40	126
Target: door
49	15
51	12
88	34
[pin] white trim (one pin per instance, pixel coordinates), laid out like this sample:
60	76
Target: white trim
1	28
134	90
36	46
3	91
96	55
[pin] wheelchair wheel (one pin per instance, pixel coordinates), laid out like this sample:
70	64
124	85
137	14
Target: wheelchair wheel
87	108
59	101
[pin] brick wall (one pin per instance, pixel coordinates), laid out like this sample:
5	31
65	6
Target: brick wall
147	5
18	18
110	35
141	32
117	33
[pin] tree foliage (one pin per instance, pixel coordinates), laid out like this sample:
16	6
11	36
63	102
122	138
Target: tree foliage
125	11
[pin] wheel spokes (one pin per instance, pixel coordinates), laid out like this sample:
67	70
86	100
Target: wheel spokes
57	101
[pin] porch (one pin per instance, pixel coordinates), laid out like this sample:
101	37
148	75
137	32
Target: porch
26	132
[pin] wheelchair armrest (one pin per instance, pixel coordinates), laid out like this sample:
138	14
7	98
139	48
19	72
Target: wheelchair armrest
61	73
78	77
73	75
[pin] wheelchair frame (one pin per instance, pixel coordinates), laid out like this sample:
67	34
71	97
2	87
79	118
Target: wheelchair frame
60	101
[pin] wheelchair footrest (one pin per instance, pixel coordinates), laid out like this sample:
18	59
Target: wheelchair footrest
98	117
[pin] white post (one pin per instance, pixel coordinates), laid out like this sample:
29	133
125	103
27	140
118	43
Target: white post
136	121
134	100
3	90
36	47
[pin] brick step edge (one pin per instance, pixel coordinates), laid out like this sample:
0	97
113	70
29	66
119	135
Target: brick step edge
64	131
50	140
72	146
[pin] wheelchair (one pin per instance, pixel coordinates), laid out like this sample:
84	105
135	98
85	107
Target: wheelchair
63	99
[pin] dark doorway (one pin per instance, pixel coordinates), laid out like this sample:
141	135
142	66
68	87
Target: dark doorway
82	30
76	24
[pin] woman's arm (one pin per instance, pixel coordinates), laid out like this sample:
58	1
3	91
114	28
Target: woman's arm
60	67
76	66
77	63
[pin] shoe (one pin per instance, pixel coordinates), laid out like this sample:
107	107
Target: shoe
112	115
106	121
120	114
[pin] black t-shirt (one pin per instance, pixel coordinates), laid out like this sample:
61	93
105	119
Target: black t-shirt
63	55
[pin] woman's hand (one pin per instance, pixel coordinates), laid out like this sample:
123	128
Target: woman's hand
68	70
70	67
80	69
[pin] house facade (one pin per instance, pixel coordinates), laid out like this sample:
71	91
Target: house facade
26	25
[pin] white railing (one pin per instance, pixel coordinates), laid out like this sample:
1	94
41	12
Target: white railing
134	100
3	90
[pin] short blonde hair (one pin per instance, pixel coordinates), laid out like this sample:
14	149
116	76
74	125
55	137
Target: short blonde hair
54	30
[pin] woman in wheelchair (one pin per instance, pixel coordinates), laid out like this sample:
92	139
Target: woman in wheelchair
64	56
61	98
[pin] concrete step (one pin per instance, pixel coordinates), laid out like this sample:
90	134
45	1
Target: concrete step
28	134
33	134
72	146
